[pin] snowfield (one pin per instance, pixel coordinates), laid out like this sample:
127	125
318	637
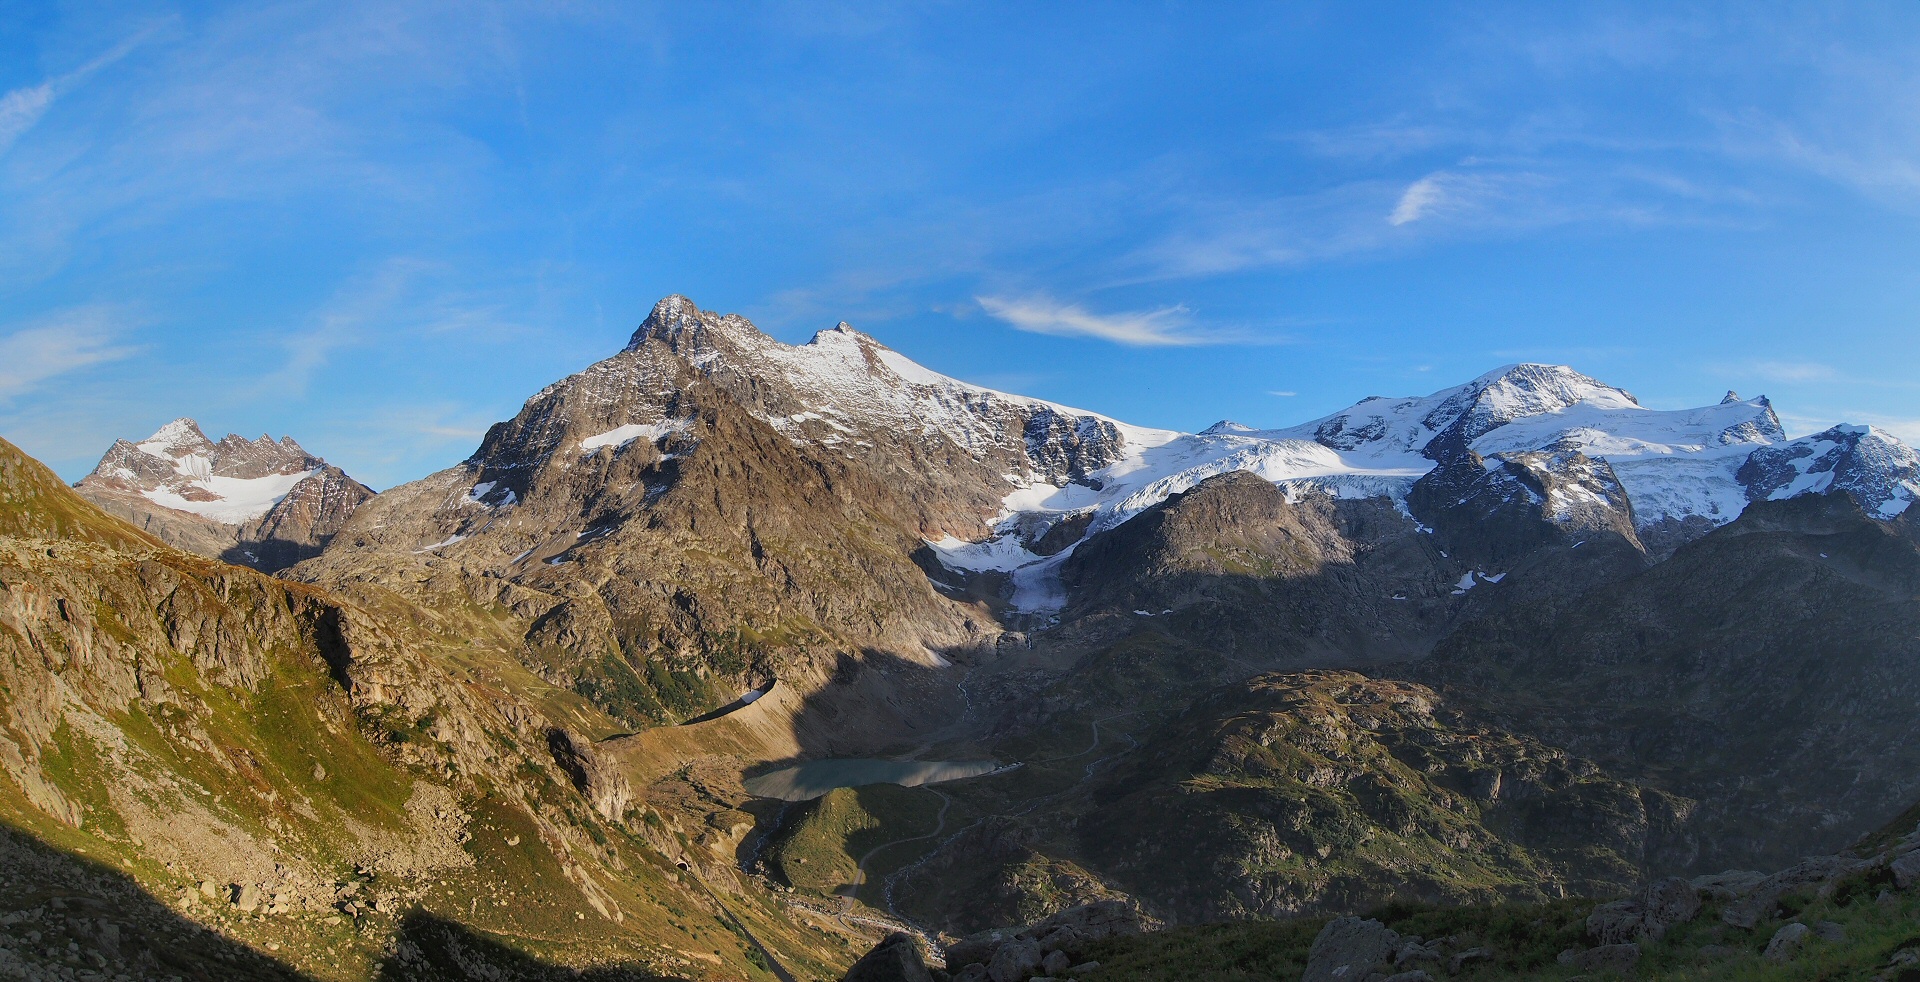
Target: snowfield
1674	465
236	501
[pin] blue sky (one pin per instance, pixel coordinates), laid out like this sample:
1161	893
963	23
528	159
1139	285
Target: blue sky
380	227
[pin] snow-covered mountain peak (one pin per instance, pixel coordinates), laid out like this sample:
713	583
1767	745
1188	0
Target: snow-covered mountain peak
231	481
1531	387
1680	471
176	439
687	329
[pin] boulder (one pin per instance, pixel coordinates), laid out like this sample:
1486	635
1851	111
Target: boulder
1646	917
1468	957
1061	938
975	972
1416	975
1906	870
1056	963
1092	922
977	949
1015	961
1413	952
1615	922
1617	958
1786	942
895	959
1006	951
1758	904
1348	949
1730	885
1669	902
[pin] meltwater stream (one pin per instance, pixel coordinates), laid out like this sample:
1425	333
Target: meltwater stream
817	777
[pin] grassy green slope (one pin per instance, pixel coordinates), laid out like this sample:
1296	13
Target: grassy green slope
1526	938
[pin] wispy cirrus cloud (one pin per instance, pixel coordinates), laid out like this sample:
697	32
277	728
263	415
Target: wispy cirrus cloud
1420	197
1793	371
1782	371
58	344
401	299
1164	327
1211	236
22	108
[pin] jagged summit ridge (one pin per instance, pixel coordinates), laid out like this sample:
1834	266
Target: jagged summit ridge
842	391
232	481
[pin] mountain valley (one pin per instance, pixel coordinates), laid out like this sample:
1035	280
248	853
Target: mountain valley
1518	645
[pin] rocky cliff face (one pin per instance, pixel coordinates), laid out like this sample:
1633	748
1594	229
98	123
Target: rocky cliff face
261	503
671	536
1234	565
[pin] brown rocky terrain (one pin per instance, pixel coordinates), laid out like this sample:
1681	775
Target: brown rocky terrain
667	536
262	765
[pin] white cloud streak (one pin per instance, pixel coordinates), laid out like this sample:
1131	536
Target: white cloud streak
20	109
1166	327
23	107
1778	371
1419	198
1793	371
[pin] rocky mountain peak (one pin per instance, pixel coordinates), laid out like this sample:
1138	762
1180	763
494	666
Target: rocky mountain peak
1870	465
1515	392
689	331
176	439
184	449
1227	426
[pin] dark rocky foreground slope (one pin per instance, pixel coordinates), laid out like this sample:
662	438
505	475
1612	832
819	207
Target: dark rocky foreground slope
1847	916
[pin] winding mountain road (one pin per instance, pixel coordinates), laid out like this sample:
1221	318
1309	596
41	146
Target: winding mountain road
860	870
